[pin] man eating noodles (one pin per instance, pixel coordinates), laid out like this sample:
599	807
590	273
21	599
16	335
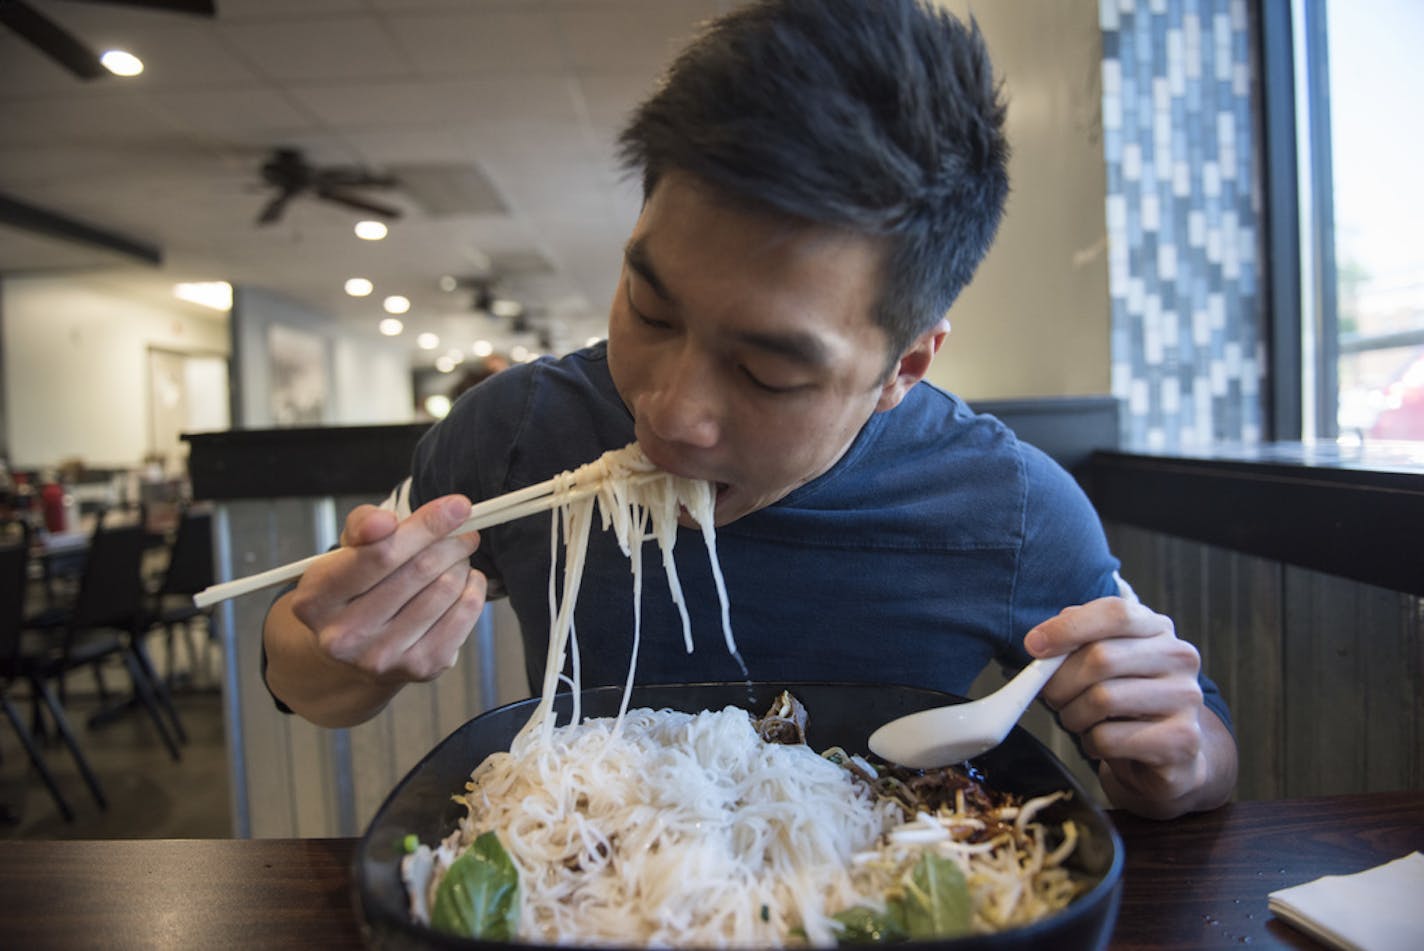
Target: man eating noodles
820	179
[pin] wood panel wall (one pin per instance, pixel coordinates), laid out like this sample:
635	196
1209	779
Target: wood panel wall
1325	676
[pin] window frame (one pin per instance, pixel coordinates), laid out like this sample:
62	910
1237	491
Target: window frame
1302	306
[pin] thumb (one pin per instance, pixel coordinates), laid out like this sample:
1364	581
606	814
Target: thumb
366	525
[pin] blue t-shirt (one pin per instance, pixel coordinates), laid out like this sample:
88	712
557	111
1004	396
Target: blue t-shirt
926	552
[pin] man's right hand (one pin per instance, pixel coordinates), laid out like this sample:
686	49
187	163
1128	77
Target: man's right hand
394	604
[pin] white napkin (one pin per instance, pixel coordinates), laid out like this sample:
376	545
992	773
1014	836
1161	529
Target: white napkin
1379	909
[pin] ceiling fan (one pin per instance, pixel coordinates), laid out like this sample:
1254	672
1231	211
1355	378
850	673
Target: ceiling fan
291	174
67	49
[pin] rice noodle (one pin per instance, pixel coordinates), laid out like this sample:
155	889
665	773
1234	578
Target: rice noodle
638	502
679	828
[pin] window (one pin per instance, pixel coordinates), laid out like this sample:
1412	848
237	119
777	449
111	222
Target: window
1345	141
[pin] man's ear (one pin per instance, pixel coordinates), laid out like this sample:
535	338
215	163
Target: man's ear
912	366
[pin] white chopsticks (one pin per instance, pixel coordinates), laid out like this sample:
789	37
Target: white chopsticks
495	511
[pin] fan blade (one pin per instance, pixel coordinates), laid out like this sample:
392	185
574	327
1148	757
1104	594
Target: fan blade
285	168
275	207
353	177
207	8
360	204
51	39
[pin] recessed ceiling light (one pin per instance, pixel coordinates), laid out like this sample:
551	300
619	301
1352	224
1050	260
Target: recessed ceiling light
213	294
519	353
121	63
482	348
391	327
437	405
455	354
504	307
427	341
370	230
396	304
448	283
359	287
444	364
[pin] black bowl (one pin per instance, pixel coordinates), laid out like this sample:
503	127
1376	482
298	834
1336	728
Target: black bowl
839	715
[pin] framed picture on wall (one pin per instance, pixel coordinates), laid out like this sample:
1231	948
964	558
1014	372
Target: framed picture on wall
298	384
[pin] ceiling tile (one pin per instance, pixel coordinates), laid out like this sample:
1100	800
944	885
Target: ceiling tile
338	47
438	103
611	98
240	114
384	146
278	9
95	120
628	36
503	41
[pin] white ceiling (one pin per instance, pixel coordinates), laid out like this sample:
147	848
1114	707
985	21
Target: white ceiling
528	94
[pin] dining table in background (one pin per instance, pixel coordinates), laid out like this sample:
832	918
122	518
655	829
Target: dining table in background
1196	882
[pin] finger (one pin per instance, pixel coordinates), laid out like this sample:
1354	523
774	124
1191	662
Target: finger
366	524
1120	657
447	558
1081	624
374	629
354	570
1159	744
1129	698
439	649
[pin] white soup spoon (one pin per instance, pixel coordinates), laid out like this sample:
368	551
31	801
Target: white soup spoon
946	735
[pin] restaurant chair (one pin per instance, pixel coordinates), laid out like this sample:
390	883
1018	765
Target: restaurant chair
190	570
59	559
105	621
14	582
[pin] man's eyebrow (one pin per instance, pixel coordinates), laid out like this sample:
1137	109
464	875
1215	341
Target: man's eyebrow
803	348
635	255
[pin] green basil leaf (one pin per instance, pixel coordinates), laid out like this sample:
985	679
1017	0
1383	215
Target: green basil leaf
867	926
479	895
936	899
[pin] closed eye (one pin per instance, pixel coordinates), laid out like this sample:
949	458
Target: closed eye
642	317
651	321
767	387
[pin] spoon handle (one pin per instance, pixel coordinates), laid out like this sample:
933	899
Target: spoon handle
1026	684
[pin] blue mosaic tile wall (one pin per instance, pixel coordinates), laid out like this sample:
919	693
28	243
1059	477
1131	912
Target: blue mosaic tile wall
1183	221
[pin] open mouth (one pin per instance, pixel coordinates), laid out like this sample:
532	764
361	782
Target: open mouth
719	489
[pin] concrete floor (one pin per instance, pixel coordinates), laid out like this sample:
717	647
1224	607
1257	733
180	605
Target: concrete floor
149	794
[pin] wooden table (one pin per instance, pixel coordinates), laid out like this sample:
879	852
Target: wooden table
1199	882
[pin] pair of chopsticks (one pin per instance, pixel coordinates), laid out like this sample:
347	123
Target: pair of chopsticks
495	511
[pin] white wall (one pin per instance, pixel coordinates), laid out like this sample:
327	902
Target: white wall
373	383
365	382
1036	319
76	376
76	367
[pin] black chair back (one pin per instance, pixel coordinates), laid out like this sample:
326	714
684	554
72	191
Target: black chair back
111	591
190	563
14	578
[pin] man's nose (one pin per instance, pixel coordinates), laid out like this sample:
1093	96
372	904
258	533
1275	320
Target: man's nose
685	404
